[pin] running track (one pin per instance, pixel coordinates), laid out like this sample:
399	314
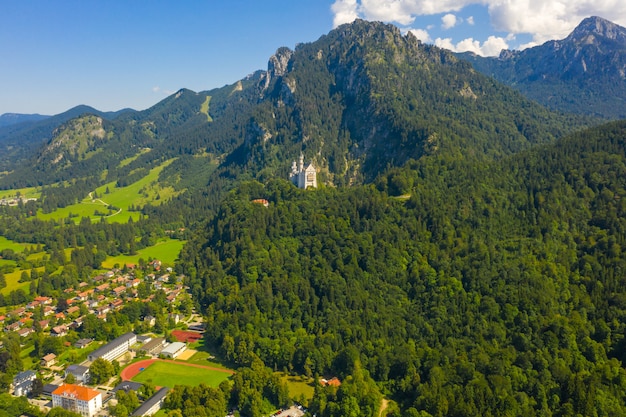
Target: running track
134	368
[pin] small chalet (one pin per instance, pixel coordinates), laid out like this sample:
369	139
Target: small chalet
333	382
48	360
82	343
25	332
59	331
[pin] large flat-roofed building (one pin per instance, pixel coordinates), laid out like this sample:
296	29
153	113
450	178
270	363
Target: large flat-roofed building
174	349
82	400
115	348
154	346
152	404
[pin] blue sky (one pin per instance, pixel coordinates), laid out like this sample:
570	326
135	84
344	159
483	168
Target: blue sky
116	53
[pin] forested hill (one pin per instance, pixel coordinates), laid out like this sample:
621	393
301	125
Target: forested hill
18	141
494	289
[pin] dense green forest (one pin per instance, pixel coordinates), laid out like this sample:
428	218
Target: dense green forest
494	289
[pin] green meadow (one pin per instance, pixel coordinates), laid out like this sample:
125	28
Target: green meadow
29	192
165	250
299	386
9	244
139	193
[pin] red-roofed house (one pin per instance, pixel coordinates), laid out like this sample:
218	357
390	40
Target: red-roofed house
333	382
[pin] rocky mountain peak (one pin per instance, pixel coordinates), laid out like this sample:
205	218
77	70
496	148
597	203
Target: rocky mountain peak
595	26
277	66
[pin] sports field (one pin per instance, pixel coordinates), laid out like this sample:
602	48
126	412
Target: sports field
165	373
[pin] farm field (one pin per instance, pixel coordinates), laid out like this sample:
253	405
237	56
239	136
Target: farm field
170	373
165	250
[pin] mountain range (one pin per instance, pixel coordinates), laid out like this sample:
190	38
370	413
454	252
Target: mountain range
584	73
359	99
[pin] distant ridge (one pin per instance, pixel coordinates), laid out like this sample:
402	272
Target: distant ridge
8	119
19	139
584	73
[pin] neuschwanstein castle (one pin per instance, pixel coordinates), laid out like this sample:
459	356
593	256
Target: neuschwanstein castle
303	176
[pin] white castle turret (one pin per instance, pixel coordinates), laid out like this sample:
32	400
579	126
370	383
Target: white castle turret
303	176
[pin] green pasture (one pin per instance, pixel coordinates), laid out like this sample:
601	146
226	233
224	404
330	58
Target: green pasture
30	192
168	374
165	250
204	109
127	161
139	193
9	244
299	386
13	283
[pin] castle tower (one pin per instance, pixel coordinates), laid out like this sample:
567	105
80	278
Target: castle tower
303	176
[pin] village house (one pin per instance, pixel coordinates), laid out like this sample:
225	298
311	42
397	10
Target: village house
13	327
81	373
48	360
72	310
59	331
82	343
25	332
117	291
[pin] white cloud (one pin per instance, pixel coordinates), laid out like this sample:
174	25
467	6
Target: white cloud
421	34
491	47
449	21
470	20
156	89
345	11
541	19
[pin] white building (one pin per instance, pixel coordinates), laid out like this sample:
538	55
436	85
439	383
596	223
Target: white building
82	400
174	349
303	176
23	383
115	348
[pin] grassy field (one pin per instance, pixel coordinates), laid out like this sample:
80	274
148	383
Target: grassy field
165	250
13	284
30	192
167	374
139	193
204	109
299	386
9	244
